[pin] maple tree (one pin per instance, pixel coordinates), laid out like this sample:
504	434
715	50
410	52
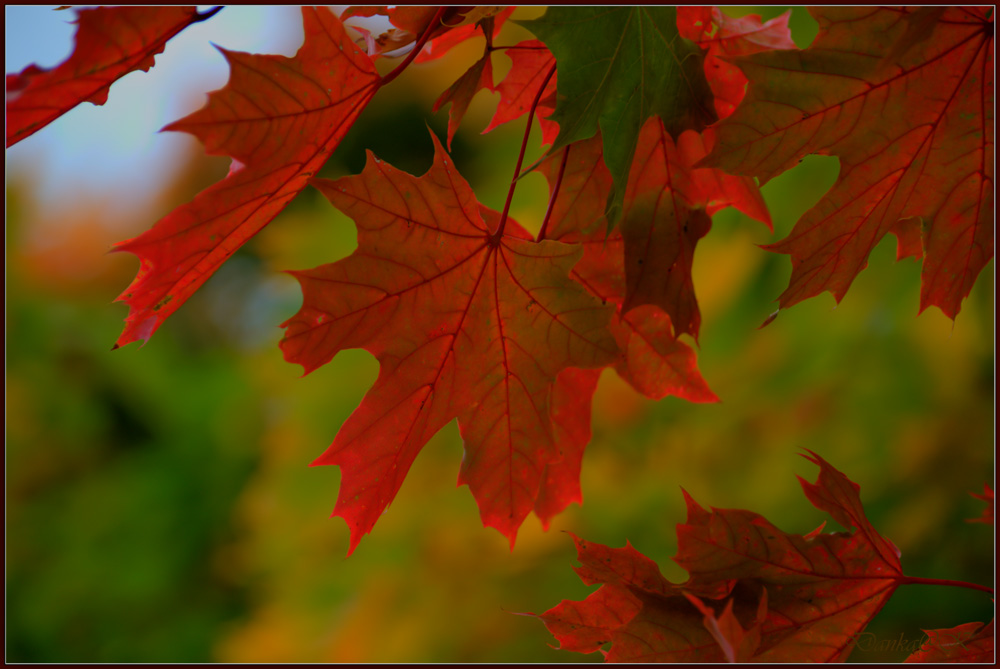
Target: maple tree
655	118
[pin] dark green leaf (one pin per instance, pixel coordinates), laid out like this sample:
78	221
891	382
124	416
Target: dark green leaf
617	66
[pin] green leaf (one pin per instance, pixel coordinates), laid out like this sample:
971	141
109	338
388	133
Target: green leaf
617	66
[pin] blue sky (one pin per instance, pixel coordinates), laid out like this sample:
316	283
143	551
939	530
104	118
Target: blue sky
115	150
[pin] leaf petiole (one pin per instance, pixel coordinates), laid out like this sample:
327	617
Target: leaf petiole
917	580
495	237
555	193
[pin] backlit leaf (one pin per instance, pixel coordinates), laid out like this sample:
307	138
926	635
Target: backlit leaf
971	642
726	37
460	94
464	324
909	114
656	362
110	43
619	66
987	515
530	61
280	119
754	592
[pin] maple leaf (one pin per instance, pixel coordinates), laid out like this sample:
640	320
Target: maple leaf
987	496
460	94
465	322
571	400
410	22
480	75
669	204
904	97
618	66
726	37
669	201
823	589
530	61
467	22
753	592
655	361
456	25
667	209
641	614
110	42
737	644
415	20
489	19
971	642
279	118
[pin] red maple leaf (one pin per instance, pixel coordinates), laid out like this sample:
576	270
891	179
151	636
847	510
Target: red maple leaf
409	21
488	19
571	400
904	97
971	642
656	362
726	37
530	61
460	94
456	25
605	615
110	43
644	617
279	118
669	203
987	515
465	321
754	591
737	644
823	589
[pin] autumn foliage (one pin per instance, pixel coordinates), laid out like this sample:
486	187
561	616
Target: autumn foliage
655	119
754	592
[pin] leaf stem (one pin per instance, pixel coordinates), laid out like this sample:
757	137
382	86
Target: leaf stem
917	580
495	237
555	194
417	47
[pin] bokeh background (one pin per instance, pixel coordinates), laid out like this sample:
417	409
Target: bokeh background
159	503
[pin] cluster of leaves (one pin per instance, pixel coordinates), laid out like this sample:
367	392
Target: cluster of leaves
755	593
655	118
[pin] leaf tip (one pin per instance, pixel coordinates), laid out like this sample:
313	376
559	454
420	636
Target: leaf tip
814	458
439	151
987	515
204	16
815	533
769	319
323	460
693	508
354	541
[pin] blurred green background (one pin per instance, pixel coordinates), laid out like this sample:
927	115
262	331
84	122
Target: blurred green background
160	507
